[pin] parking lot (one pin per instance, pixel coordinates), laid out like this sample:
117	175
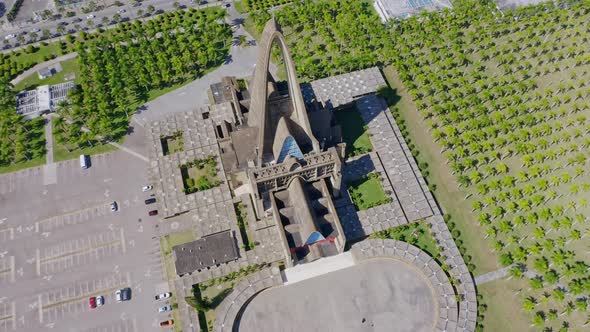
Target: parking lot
60	244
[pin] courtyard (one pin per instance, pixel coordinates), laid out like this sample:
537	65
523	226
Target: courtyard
376	295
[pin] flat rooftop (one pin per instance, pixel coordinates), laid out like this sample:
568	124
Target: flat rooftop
205	252
388	9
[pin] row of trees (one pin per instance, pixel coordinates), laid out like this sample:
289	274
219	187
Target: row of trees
20	140
506	97
119	69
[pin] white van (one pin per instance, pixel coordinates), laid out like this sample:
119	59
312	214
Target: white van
83	162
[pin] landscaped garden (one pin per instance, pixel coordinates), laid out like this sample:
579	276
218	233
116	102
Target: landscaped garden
199	175
173	143
209	294
367	192
354	132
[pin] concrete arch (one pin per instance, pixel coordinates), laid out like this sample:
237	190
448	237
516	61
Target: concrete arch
259	95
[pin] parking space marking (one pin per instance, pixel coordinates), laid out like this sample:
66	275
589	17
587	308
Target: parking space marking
6	268
7	316
38	261
6	234
123	244
73	217
71	300
79	252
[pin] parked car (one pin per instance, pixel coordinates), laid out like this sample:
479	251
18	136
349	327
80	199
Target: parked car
165	308
99	301
165	323
150	201
163	296
10	36
114	207
90	16
147	188
35	30
121	11
123	294
92	302
153	213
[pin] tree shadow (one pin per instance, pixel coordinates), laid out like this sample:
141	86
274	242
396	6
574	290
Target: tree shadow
217	299
390	95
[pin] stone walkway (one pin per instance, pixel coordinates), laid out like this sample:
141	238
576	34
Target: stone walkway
50	168
491	276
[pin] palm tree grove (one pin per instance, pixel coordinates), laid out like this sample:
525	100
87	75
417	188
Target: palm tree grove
493	103
504	99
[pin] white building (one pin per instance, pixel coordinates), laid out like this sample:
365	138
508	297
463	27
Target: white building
44	99
388	9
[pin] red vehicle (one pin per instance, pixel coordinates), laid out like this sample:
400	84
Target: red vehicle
92	302
153	213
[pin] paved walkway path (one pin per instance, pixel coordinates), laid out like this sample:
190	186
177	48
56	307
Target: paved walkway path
37	67
500	273
491	276
49	138
321	266
128	150
50	168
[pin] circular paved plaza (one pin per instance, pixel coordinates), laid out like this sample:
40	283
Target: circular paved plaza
379	294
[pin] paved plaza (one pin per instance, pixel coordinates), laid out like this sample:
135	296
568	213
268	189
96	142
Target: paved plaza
61	244
377	295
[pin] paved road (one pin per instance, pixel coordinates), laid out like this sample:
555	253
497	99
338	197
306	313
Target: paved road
35	68
82	21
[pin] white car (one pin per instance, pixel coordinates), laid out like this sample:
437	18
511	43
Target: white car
147	188
10	36
99	300
121	11
35	30
163	296
90	17
165	308
118	296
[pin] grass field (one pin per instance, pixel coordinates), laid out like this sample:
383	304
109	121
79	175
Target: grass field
503	125
354	132
367	192
42	53
167	243
20	166
33	81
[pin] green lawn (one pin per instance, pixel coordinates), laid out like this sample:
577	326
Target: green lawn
60	153
19	166
367	192
240	7
354	132
167	243
69	67
504	312
40	55
447	191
